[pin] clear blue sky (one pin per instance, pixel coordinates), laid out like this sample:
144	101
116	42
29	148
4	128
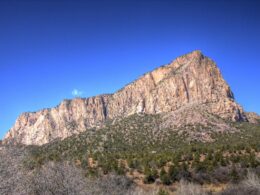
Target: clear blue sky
48	48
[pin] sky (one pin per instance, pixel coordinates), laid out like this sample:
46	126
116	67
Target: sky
52	50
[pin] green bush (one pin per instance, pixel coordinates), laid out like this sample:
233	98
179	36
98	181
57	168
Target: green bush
164	177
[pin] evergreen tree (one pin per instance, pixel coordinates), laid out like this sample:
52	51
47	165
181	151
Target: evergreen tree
234	175
173	172
164	177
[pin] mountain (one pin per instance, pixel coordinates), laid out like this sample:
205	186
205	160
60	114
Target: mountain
189	91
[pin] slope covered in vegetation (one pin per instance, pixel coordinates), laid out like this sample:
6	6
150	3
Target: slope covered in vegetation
138	147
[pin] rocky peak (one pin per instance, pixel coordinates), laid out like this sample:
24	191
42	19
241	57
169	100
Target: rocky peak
253	117
190	80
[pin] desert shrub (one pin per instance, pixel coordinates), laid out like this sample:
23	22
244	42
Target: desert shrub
200	167
221	174
11	166
249	186
201	177
55	178
111	184
121	169
173	172
164	177
162	192
133	163
186	188
150	175
184	173
142	191
234	176
257	170
252	181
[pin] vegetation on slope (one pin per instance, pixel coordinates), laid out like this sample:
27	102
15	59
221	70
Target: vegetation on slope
136	146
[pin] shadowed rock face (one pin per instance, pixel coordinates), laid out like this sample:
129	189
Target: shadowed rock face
190	80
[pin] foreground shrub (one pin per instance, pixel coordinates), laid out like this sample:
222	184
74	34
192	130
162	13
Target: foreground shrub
249	186
59	178
187	188
54	178
164	177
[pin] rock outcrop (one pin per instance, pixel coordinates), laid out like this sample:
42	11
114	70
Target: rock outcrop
252	117
190	80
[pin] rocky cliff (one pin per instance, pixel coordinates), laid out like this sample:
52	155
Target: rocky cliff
192	80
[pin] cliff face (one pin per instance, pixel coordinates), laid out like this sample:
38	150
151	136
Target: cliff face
190	80
70	117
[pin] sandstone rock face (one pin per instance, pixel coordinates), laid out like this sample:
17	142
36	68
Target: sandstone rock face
190	80
253	117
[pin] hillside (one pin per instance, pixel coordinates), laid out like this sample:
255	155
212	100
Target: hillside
133	147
